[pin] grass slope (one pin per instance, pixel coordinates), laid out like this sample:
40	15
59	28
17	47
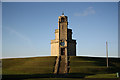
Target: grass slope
41	68
92	67
36	65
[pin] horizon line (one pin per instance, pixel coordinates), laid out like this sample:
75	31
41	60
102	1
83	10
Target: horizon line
50	56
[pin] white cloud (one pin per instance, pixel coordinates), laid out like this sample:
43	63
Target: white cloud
88	11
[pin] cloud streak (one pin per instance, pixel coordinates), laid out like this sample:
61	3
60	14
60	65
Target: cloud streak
19	35
88	11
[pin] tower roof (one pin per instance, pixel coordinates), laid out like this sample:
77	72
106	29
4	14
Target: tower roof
62	13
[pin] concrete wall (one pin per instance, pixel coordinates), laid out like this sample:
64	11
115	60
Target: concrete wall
69	34
57	34
63	31
54	48
72	48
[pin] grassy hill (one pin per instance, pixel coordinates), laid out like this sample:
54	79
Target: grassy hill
35	65
92	67
41	68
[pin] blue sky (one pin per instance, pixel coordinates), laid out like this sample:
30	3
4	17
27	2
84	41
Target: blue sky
28	28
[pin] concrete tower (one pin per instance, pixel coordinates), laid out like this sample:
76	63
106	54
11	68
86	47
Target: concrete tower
63	43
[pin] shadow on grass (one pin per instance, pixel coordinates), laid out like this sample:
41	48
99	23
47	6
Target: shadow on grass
35	76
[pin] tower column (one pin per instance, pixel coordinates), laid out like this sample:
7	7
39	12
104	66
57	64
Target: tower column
63	45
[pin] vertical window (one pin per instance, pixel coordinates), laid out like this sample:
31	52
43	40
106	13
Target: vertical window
62	19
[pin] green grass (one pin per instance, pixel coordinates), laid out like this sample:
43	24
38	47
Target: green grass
36	65
102	75
95	67
80	68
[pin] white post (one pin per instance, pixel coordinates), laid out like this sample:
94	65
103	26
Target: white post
107	53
